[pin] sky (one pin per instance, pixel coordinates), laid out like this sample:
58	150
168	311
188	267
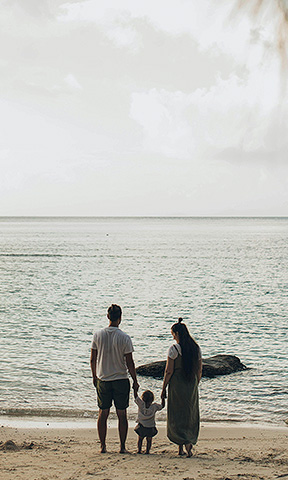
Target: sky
131	108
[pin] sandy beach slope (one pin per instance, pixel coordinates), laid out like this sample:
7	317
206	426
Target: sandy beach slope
223	452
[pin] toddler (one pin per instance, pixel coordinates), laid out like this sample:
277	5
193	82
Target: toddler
146	426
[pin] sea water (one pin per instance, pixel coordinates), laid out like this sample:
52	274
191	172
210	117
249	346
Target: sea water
227	278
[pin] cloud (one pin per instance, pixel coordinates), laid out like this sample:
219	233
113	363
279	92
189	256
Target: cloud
232	114
228	142
72	83
32	7
158	99
216	26
124	36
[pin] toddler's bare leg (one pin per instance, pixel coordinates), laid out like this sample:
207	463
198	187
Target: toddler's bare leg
140	441
148	445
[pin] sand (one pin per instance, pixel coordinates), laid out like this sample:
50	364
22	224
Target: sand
223	452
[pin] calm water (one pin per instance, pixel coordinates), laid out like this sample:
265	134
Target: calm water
226	277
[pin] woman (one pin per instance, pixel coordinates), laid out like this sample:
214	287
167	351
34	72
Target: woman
183	372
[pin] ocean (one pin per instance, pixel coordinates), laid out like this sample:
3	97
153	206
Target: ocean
227	278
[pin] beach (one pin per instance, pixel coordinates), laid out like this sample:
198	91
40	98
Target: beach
225	277
223	452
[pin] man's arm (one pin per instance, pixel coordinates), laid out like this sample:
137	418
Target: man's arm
93	363
131	369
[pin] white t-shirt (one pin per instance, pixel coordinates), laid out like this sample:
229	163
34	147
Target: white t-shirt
146	416
174	351
112	345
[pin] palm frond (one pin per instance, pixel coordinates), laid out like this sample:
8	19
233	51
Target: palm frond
275	11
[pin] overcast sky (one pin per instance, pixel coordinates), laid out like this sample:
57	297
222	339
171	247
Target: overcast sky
132	107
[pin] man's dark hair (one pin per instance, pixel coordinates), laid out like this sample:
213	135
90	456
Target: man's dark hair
114	313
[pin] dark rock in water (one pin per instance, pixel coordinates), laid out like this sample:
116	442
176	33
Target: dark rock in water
155	369
212	366
221	365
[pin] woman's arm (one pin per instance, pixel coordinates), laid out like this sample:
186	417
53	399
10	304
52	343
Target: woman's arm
199	368
169	369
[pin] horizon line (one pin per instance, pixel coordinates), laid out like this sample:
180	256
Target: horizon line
135	216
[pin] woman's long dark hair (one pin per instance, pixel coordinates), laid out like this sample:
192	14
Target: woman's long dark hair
189	348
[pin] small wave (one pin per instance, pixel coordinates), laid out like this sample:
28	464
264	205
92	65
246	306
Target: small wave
52	255
221	305
48	412
279	392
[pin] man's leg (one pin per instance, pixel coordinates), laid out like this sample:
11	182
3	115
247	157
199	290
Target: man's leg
122	428
102	427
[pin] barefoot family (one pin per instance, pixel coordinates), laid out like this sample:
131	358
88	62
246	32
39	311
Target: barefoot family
112	360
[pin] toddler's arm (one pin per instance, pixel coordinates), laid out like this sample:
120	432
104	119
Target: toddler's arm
163	402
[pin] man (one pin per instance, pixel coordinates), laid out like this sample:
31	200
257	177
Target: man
111	357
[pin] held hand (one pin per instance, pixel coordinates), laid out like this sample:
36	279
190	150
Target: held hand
163	394
135	387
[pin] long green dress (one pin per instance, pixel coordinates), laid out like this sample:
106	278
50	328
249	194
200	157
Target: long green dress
183	407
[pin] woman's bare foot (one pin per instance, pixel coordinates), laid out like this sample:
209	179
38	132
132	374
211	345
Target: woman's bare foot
103	449
189	450
181	451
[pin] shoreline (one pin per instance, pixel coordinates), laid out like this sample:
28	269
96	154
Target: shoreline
222	452
41	422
